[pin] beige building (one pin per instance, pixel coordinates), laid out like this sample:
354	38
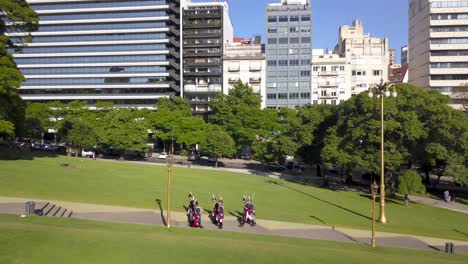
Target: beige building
438	44
244	60
368	58
330	83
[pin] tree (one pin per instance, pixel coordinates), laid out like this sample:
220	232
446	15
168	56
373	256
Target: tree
239	113
21	19
217	143
122	131
460	95
410	182
81	135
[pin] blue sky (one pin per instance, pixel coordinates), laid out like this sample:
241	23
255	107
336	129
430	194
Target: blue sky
381	18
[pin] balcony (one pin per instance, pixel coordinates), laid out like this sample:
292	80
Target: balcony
328	96
202	54
328	73
202	73
202	25
204	14
255	80
328	85
203	88
233	80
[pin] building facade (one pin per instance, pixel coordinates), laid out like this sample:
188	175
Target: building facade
404	56
288	53
206	28
438	44
367	57
330	82
124	52
392	56
244	60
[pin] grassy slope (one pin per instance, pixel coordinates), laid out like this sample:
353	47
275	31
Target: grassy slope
52	240
138	185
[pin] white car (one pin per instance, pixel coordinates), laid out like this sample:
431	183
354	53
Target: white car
87	153
162	155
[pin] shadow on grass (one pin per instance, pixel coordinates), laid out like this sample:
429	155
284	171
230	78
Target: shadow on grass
460	232
388	200
319	199
318	219
237	215
158	201
19	154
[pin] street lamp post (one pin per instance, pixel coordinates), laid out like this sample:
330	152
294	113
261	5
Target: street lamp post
383	90
169	175
374	189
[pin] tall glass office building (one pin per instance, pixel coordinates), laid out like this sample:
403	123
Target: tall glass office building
120	51
288	53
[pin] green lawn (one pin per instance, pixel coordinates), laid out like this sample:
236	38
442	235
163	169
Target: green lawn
134	185
54	240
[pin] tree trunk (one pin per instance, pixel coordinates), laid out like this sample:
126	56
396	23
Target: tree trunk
428	176
319	170
216	163
406	199
77	150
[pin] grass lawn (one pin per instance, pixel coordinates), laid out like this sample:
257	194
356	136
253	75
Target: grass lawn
134	185
53	240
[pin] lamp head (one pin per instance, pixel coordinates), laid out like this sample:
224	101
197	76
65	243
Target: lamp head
374	187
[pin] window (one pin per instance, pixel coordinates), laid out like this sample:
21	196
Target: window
271	96
282	85
305	29
294	40
283	30
283	19
293	85
271	74
283	74
293	73
293	51
282	63
305	51
271	85
358	73
323	93
272	30
272	19
316	68
294	63
294	29
305	95
283	52
323	68
324	102
305	18
283	41
315	102
333	93
294	18
304	85
294	96
305	40
305	73
272	40
271	63
377	72
305	62
341	68
333	102
282	96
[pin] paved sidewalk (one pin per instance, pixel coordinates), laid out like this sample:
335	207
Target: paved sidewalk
458	207
268	227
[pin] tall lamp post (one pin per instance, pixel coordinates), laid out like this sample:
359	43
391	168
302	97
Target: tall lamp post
383	90
374	189
170	161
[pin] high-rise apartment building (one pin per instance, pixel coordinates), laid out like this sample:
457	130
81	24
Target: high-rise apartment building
367	57
288	53
120	51
392	56
244	60
206	28
404	56
330	82
438	44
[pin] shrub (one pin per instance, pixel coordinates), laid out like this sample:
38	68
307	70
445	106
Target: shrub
410	182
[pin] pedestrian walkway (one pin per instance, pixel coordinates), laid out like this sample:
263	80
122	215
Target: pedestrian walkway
458	207
156	216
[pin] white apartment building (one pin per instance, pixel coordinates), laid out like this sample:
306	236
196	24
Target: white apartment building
438	45
368	58
330	82
245	61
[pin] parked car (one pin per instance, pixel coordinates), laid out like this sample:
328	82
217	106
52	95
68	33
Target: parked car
162	155
273	166
87	153
212	158
193	157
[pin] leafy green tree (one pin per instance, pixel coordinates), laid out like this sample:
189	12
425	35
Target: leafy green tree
218	143
410	182
81	135
239	113
22	19
122	131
